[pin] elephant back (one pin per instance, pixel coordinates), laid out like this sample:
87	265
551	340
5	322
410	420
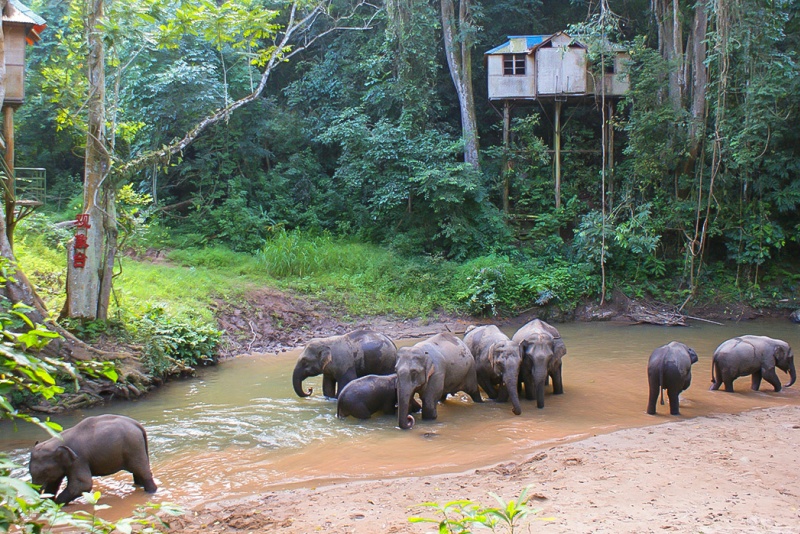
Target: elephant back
375	353
479	340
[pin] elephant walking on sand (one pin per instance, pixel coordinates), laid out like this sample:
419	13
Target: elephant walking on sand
434	368
757	356
497	363
97	446
341	359
542	349
670	368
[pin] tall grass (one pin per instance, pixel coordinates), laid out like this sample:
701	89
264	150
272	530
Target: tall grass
365	279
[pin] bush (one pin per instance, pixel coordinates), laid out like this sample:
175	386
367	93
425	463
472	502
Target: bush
487	284
170	345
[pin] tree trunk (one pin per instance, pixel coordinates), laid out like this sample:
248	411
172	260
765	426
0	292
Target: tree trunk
699	81
458	43
84	283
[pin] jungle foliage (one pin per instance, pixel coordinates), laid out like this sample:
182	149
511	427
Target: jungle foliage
357	143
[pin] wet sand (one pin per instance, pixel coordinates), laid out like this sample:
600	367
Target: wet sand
714	474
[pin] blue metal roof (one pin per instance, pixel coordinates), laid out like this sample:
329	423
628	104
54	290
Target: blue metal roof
530	42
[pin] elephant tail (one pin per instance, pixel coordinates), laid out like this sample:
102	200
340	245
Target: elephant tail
713	366
661	382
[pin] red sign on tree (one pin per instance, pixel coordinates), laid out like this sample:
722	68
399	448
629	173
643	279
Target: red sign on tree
81	243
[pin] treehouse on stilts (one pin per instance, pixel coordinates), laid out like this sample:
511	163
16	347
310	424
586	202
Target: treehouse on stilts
23	189
555	71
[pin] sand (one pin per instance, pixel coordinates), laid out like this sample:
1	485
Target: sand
717	474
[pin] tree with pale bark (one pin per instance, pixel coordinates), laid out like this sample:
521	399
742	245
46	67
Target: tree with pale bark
90	279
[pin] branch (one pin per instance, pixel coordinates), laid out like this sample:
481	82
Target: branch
280	55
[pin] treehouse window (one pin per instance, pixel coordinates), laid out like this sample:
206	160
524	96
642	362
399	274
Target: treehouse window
513	64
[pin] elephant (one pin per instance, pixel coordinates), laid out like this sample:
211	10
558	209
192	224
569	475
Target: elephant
757	356
434	368
497	363
670	368
341	359
366	395
542	349
97	446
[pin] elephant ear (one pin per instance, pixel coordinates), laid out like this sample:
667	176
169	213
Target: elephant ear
692	355
491	354
66	456
325	357
559	348
780	353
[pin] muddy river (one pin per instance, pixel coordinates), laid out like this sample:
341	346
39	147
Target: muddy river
238	429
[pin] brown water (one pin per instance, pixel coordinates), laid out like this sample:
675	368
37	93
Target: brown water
238	429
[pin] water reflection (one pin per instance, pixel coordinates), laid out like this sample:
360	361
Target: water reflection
239	429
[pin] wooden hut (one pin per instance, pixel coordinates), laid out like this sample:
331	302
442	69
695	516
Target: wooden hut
532	67
552	68
21	27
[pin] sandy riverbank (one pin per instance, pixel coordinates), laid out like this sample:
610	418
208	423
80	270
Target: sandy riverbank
717	474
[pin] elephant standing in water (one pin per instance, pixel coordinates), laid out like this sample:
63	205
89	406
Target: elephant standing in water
434	368
366	395
497	363
542	349
97	446
670	368
757	356
341	359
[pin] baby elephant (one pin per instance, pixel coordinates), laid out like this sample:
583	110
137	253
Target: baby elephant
97	446
670	368
364	396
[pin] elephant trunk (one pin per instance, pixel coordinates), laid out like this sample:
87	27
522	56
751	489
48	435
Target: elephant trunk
539	379
297	380
792	375
511	378
404	419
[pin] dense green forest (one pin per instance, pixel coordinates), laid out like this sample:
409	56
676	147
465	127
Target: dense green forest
358	137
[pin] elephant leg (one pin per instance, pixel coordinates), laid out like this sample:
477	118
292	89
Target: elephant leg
528	383
475	394
146	481
414	406
329	386
728	384
502	394
674	400
53	487
755	380
429	401
772	377
653	397
558	385
77	484
488	387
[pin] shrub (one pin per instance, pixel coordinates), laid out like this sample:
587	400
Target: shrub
169	345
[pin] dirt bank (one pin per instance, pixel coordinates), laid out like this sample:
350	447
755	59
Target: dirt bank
720	474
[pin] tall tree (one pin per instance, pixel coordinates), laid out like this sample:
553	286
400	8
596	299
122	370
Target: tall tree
459	39
239	25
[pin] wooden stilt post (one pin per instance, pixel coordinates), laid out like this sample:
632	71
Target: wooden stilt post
557	151
10	201
507	146
610	137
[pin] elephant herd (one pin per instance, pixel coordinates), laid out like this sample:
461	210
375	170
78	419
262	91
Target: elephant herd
367	373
